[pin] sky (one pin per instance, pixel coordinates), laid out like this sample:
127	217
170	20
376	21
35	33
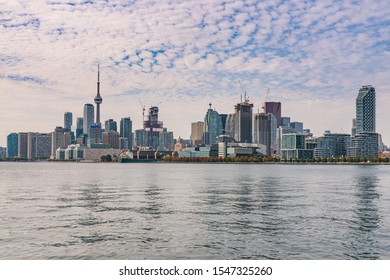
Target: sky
313	56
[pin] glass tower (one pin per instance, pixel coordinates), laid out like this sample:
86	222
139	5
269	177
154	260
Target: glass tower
365	110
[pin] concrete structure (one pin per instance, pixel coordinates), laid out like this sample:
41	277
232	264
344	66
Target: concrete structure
12	145
243	122
111	138
197	129
265	131
98	99
22	145
274	108
38	145
234	149
60	138
126	131
96	154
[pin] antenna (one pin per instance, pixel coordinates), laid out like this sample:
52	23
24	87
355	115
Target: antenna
265	100
143	109
242	91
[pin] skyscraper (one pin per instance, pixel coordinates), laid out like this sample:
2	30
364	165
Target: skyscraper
110	125
98	99
126	131
212	126
274	108
89	115
243	122
265	131
68	120
79	127
60	138
196	133
365	109
12	145
38	145
22	145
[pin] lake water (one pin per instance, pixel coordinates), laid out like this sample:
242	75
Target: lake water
193	211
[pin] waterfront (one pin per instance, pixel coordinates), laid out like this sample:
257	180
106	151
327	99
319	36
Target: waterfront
193	211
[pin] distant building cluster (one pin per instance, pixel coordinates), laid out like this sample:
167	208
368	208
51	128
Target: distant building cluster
237	134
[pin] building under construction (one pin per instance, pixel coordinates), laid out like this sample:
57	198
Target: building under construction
153	136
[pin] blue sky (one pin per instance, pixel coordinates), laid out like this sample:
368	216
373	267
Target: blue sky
313	56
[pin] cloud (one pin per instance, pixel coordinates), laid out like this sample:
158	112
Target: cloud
192	51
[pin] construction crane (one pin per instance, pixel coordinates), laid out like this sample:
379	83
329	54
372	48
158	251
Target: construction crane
265	100
159	103
143	109
242	91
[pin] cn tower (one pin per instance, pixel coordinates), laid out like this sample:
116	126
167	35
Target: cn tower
98	99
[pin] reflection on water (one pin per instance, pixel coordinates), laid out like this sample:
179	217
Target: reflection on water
362	243
194	211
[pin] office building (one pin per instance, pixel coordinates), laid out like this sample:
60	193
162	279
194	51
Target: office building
126	131
110	125
88	118
285	121
12	145
274	108
265	131
95	134
78	129
332	145
212	127
293	147
111	138
60	138
22	145
364	145
197	129
230	125
297	126
166	140
68	120
243	122
39	145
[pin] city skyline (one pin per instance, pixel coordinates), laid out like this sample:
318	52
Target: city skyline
313	56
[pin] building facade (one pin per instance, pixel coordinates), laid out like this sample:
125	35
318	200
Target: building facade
197	129
68	120
366	110
243	122
38	145
126	131
22	145
274	108
88	118
12	145
212	127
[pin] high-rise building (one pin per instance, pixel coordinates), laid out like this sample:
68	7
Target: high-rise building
212	126
110	125
22	145
274	108
98	99
265	131
38	145
79	127
68	120
126	131
196	133
60	138
285	121
88	118
12	145
365	139
111	138
230	125
297	126
243	122
365	109
95	134
166	140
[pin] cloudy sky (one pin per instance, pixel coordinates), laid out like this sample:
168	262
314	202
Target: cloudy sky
312	55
